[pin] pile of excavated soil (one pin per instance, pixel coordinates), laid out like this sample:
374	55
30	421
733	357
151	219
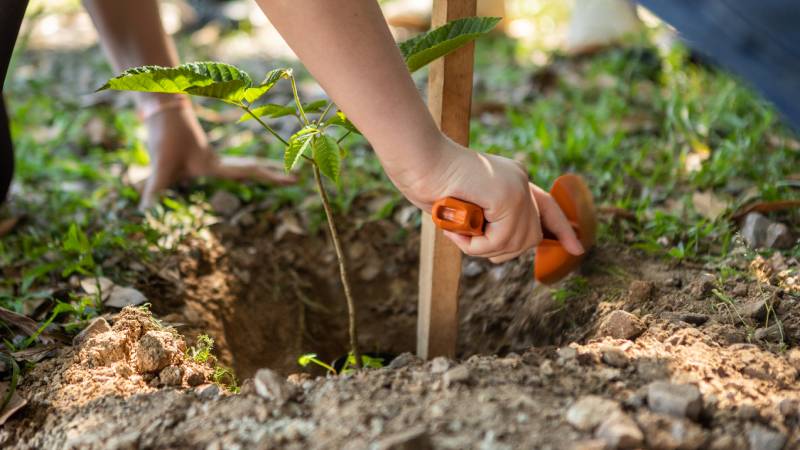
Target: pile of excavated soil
632	352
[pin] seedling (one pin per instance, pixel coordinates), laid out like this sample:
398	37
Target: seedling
348	366
318	141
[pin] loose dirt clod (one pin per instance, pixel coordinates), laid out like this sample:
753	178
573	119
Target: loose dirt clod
621	325
620	431
589	411
679	400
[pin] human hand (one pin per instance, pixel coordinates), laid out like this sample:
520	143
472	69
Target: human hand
514	208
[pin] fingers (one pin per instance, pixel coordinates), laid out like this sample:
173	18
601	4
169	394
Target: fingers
554	220
240	169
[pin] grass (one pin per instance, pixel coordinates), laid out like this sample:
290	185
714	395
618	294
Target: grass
649	129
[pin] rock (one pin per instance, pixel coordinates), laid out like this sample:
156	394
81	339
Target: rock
754	230
589	411
156	350
620	431
640	290
369	272
439	364
171	376
793	356
100	286
566	354
403	360
670	433
208	391
472	269
763	438
271	386
194	376
589	444
458	374
614	357
679	400
652	369
772	333
701	286
756	309
415	438
778	237
225	203
688	317
95	327
621	325
789	407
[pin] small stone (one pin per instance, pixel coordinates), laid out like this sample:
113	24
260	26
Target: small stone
793	356
271	386
458	374
679	400
472	269
789	407
403	360
208	391
122	296
772	333
566	354
754	230
499	273
756	309
589	411
620	431
589	444
614	357
763	438
225	203
778	237
415	438
95	327
702	285
652	369
621	325
194	376
670	433
171	376
640	290
439	364
298	379
688	317
369	272
156	350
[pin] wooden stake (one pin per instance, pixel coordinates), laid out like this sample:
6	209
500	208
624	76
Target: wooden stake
449	100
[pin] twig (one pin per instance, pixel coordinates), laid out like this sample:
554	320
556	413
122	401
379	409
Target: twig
267	127
351	309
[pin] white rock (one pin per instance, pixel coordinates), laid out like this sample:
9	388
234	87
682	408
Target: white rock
754	229
763	438
589	411
620	431
271	386
679	400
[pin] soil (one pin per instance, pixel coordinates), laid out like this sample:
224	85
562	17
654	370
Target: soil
632	352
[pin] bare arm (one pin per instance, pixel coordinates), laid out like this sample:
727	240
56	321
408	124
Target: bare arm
347	47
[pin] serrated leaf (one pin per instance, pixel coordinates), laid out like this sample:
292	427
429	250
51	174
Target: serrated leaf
421	50
315	106
182	79
228	91
341	120
298	144
270	110
327	156
273	76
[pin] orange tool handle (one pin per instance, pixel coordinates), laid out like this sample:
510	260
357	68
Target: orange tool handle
458	216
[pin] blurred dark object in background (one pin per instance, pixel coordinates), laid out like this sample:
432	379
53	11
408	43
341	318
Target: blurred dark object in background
11	13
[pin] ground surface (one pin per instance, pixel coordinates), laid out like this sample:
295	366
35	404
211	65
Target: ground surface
676	291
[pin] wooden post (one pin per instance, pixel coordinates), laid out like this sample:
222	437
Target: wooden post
449	100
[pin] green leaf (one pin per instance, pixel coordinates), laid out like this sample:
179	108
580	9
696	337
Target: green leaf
421	50
228	91
298	144
273	76
306	359
270	110
187	78
315	106
326	154
342	121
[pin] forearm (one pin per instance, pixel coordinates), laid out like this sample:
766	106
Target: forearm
347	47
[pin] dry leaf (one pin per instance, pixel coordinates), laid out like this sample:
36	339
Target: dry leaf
35	354
14	404
7	225
25	324
709	204
762	207
289	224
112	294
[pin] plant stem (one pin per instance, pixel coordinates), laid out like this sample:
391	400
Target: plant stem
324	113
297	100
351	307
267	127
343	137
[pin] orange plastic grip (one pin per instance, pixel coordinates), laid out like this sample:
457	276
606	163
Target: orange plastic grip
458	216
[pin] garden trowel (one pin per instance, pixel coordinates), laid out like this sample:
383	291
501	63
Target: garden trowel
552	261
